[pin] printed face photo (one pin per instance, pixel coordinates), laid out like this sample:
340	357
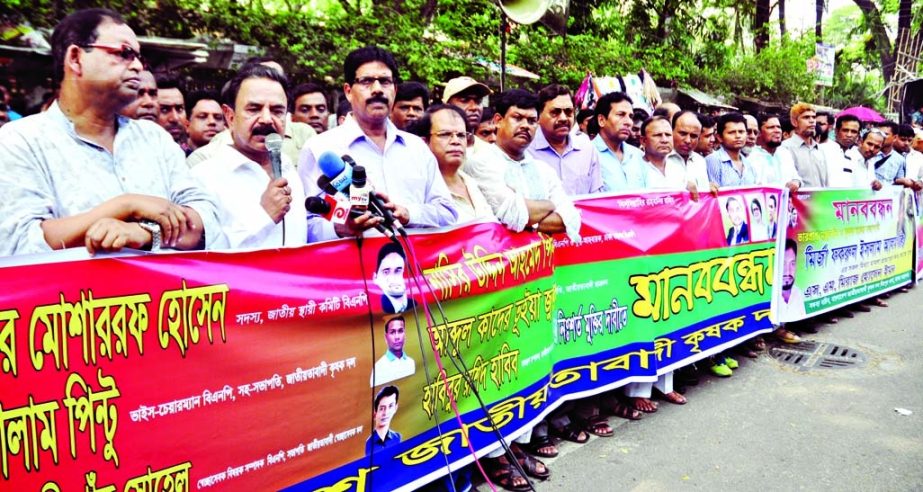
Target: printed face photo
390	275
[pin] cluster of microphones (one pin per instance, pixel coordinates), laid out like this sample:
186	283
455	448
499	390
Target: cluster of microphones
347	193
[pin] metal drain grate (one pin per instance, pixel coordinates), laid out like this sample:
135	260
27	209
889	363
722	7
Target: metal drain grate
810	355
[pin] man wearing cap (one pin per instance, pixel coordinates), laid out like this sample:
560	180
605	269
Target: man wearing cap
468	94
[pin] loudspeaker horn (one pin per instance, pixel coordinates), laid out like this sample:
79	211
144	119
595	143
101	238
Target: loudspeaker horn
552	13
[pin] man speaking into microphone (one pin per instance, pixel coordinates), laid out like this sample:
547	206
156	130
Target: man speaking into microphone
399	165
260	197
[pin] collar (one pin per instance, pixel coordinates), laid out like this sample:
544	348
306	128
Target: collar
601	145
573	142
353	132
391	357
800	142
57	116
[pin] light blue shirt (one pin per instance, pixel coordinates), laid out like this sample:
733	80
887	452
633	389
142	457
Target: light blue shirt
578	166
893	168
47	171
620	175
406	170
721	170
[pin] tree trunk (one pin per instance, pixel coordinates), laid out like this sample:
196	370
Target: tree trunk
904	15
782	20
760	25
880	36
818	30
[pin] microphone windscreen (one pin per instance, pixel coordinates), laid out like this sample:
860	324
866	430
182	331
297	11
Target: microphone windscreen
273	142
330	164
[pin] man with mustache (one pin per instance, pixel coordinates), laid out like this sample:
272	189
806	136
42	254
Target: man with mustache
620	161
399	165
257	209
560	145
686	133
753	130
524	193
770	170
80	174
410	102
293	140
847	167
206	119
468	94
145	106
802	148
171	101
311	106
792	306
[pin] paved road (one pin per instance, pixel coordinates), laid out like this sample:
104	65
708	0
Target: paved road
772	427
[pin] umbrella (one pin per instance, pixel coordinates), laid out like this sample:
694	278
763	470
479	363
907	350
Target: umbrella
863	113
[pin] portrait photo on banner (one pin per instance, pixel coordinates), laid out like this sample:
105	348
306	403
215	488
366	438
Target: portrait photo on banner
735	220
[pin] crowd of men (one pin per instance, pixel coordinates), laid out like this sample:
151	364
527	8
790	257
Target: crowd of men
126	159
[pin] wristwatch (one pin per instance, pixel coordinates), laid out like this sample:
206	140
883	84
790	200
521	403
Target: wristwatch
154	229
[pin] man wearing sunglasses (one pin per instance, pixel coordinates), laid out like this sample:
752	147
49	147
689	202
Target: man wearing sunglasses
80	174
399	164
559	144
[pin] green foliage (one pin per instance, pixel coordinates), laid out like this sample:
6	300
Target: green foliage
697	44
775	74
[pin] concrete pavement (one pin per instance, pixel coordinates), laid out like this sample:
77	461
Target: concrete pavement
773	427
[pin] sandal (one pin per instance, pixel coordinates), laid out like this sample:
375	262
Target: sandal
672	397
624	411
596	425
503	473
537	443
529	464
570	432
650	406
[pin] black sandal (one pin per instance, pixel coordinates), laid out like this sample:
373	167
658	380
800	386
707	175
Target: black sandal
530	464
595	425
537	443
570	432
503	473
624	411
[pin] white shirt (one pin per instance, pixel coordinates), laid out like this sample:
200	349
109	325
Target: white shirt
773	169
673	176
478	208
239	183
793	310
914	165
857	171
507	184
390	368
696	170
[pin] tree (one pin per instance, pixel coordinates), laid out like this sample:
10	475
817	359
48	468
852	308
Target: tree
761	25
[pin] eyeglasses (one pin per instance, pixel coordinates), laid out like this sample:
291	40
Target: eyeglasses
448	136
370	81
126	53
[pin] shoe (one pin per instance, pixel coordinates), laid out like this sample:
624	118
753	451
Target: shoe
731	362
847	313
863	307
880	302
721	370
786	336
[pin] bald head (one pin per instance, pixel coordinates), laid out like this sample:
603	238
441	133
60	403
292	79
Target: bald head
686	132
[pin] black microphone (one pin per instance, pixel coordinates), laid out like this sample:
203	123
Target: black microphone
375	201
320	206
273	144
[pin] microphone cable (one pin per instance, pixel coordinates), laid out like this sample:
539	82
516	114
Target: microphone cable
371	316
459	364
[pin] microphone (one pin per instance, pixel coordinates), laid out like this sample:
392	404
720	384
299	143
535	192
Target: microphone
329	208
274	146
375	201
337	172
321	206
358	191
323	182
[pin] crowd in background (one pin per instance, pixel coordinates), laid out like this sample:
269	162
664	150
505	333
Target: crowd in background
124	158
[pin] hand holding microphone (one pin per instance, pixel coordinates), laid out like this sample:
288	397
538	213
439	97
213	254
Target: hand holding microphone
277	199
